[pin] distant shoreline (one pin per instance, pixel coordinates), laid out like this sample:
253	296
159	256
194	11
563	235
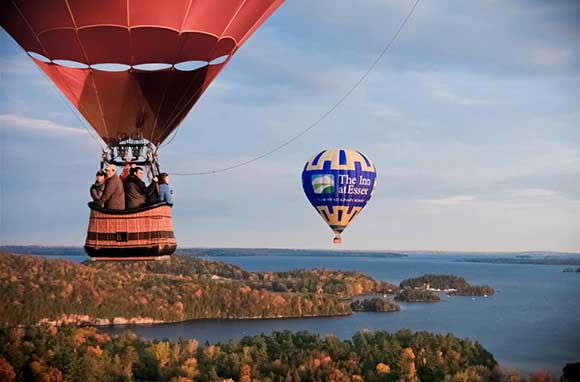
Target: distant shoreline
525	261
134	321
209	252
524	255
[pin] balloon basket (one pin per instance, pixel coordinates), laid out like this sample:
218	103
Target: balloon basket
145	233
337	240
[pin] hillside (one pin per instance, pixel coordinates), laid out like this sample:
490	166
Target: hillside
85	354
34	289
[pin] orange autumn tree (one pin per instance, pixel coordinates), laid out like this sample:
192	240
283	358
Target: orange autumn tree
408	371
6	371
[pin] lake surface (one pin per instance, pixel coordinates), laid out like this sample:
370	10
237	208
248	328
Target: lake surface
531	323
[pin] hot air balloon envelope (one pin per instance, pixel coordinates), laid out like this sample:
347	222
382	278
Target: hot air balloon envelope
135	68
338	183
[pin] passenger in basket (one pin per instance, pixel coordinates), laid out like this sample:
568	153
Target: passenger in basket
126	170
165	192
113	197
99	186
136	191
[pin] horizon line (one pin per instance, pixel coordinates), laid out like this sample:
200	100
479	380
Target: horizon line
402	251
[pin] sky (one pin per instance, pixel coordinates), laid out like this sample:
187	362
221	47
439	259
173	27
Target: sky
472	120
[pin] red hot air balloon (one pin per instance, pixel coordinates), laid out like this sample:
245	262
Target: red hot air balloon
73	40
133	69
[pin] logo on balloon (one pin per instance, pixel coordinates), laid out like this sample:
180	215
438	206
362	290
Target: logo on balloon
323	183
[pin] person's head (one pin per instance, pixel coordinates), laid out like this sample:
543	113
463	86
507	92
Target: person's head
111	170
163	178
138	172
100	176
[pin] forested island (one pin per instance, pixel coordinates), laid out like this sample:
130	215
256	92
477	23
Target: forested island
375	304
35	290
69	353
453	285
416	295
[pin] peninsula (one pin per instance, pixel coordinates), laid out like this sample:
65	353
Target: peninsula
38	290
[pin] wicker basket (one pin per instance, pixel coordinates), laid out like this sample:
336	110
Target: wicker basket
141	234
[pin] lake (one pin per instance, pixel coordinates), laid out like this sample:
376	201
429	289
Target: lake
531	323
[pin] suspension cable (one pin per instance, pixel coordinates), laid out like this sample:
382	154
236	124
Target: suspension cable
317	121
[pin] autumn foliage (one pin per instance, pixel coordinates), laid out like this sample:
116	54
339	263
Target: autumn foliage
185	287
70	353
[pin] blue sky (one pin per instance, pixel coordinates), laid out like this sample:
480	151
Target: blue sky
472	120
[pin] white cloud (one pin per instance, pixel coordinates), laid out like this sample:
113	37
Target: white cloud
550	56
223	85
534	193
451	201
40	125
454	90
446	94
385	111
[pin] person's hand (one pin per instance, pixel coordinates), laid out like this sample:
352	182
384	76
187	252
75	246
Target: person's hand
155	179
133	165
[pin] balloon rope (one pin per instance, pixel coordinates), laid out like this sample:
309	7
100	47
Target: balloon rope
321	118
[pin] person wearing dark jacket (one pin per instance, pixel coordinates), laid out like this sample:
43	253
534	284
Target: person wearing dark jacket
113	197
99	186
136	192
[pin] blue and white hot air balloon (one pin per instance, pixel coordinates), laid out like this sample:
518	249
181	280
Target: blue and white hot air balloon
338	183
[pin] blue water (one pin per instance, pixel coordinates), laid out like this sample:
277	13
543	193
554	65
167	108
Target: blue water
531	323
